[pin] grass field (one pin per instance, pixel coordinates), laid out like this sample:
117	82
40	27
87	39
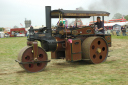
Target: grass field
114	71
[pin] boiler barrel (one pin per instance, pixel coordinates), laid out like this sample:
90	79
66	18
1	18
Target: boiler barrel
53	44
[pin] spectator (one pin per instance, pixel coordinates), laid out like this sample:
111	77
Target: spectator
112	31
126	27
117	32
123	30
14	34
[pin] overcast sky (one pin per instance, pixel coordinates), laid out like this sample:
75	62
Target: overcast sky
14	12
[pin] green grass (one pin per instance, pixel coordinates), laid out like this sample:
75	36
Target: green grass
114	71
119	37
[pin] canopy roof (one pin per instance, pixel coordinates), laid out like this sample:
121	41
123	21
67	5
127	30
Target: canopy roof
77	13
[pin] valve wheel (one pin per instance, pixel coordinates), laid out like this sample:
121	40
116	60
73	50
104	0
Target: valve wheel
95	50
27	55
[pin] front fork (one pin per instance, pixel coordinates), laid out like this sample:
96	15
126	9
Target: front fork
34	44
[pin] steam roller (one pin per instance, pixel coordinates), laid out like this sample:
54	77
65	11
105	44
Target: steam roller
69	43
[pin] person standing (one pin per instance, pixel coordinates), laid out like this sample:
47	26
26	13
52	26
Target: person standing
14	34
123	30
117	32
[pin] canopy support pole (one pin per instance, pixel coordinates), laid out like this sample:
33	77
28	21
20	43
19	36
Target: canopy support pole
103	21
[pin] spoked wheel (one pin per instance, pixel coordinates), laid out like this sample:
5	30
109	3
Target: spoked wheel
27	55
95	50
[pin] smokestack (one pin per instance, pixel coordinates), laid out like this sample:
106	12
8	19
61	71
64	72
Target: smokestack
48	20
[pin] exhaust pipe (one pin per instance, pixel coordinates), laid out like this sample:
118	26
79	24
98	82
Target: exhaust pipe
48	20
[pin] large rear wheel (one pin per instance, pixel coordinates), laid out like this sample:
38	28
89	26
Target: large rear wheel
95	50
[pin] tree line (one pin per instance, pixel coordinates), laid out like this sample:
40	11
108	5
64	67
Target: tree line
119	16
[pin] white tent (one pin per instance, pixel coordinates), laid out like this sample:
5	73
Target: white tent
1	34
126	24
116	27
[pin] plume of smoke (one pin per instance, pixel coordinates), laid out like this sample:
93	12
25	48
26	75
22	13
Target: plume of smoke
102	5
111	6
80	8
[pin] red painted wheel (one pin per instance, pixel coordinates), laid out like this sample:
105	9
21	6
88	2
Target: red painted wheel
95	50
26	55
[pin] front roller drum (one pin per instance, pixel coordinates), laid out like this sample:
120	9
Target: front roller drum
26	55
95	50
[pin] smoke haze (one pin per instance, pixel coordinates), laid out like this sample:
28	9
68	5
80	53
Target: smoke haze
14	12
102	5
112	6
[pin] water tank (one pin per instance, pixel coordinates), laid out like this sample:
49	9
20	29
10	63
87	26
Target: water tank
27	23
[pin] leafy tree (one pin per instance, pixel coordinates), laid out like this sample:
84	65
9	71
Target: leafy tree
80	8
1	29
117	16
15	26
126	17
